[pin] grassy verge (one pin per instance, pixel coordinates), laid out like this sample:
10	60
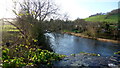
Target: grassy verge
103	18
95	38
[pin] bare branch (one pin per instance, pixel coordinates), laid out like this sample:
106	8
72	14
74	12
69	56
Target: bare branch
17	28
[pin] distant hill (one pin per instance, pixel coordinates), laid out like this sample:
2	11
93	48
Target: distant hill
111	17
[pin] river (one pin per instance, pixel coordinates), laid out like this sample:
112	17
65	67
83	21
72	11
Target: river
68	44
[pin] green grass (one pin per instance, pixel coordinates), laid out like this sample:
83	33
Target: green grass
92	54
9	33
9	28
102	18
66	31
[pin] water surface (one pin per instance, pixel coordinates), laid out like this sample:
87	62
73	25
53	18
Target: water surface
69	44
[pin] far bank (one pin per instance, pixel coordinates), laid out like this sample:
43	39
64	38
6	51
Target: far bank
84	36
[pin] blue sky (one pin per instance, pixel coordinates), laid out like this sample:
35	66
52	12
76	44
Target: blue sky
83	9
74	8
99	6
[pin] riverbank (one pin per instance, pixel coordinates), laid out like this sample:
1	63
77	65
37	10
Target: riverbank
84	36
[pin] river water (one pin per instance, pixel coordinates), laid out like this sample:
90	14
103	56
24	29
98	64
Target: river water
69	44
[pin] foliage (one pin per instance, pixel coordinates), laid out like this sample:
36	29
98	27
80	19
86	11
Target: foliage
9	33
30	20
92	54
66	31
76	31
8	28
24	55
117	53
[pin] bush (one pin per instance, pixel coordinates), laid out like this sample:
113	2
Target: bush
24	55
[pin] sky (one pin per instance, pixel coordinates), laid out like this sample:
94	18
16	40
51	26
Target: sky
74	8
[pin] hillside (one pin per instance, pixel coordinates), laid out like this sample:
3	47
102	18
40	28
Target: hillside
111	17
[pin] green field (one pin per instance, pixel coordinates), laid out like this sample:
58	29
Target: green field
8	28
103	18
9	33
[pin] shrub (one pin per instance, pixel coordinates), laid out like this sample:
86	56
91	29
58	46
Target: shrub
24	55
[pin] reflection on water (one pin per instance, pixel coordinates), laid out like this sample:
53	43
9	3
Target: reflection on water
68	44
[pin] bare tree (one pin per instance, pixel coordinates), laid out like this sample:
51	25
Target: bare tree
33	12
30	14
37	9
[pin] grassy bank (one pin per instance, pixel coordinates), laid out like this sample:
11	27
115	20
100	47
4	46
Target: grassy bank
85	36
103	18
